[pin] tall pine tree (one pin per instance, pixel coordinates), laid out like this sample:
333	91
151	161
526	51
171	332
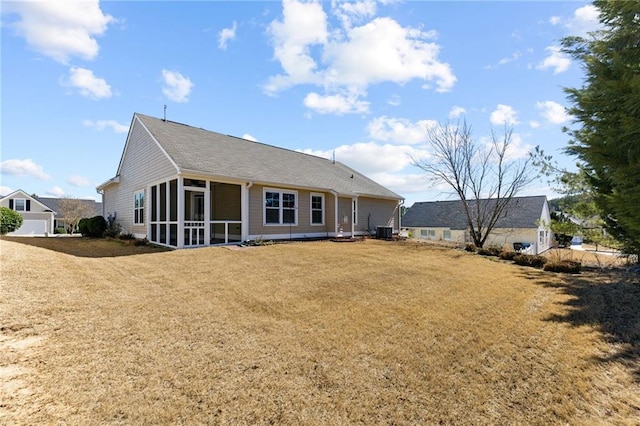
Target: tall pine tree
607	108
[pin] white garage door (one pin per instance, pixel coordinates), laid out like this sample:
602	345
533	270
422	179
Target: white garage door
31	227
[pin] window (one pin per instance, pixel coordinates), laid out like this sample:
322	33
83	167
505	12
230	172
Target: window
429	234
317	209
280	207
20	204
138	207
446	235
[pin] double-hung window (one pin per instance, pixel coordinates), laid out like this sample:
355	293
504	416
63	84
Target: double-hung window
138	207
20	204
317	209
280	207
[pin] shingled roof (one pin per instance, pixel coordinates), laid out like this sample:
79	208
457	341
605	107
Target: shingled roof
201	151
54	204
521	212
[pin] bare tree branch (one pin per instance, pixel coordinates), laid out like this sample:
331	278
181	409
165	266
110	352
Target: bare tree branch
485	178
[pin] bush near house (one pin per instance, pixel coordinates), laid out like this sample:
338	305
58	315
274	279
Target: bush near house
530	260
490	251
10	220
565	265
508	255
92	227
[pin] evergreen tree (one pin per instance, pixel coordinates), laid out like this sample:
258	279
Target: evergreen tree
607	107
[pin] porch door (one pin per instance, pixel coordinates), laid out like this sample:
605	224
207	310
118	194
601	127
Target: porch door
194	222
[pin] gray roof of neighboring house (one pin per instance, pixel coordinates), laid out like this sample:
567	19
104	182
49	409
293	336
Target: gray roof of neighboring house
54	204
198	150
521	212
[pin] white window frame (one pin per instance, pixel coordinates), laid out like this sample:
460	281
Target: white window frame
139	211
445	236
281	208
24	204
311	209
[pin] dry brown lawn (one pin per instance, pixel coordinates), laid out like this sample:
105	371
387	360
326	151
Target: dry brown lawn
373	332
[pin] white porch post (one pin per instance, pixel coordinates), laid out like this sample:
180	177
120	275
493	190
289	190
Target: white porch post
180	212
244	209
207	214
335	213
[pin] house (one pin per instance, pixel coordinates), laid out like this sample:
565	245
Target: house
37	217
524	222
43	215
182	186
81	208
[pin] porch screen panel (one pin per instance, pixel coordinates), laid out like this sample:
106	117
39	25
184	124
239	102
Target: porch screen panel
163	202
173	235
173	200
154	205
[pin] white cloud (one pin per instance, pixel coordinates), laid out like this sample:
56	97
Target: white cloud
5	190
249	137
88	84
356	11
350	58
60	29
56	191
555	20
399	131
76	180
556	60
176	87
394	100
371	157
303	25
553	112
457	111
335	104
504	114
383	50
583	21
104	124
27	167
534	124
225	35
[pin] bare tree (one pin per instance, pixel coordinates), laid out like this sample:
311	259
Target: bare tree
484	176
74	209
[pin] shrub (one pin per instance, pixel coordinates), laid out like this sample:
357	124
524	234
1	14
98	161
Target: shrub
470	247
530	260
93	227
489	251
507	255
142	242
10	220
127	236
60	230
567	266
113	231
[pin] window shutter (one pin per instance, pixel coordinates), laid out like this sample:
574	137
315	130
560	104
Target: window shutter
11	204
28	205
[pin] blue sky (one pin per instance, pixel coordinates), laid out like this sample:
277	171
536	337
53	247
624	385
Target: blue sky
361	79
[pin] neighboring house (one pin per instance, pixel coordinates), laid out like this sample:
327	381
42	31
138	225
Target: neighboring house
183	186
525	221
37	217
91	207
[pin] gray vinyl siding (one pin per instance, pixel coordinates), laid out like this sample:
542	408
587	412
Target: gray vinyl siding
374	212
143	163
303	227
344	213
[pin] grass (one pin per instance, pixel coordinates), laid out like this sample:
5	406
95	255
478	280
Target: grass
310	333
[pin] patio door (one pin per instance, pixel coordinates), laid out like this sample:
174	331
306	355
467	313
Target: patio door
194	221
